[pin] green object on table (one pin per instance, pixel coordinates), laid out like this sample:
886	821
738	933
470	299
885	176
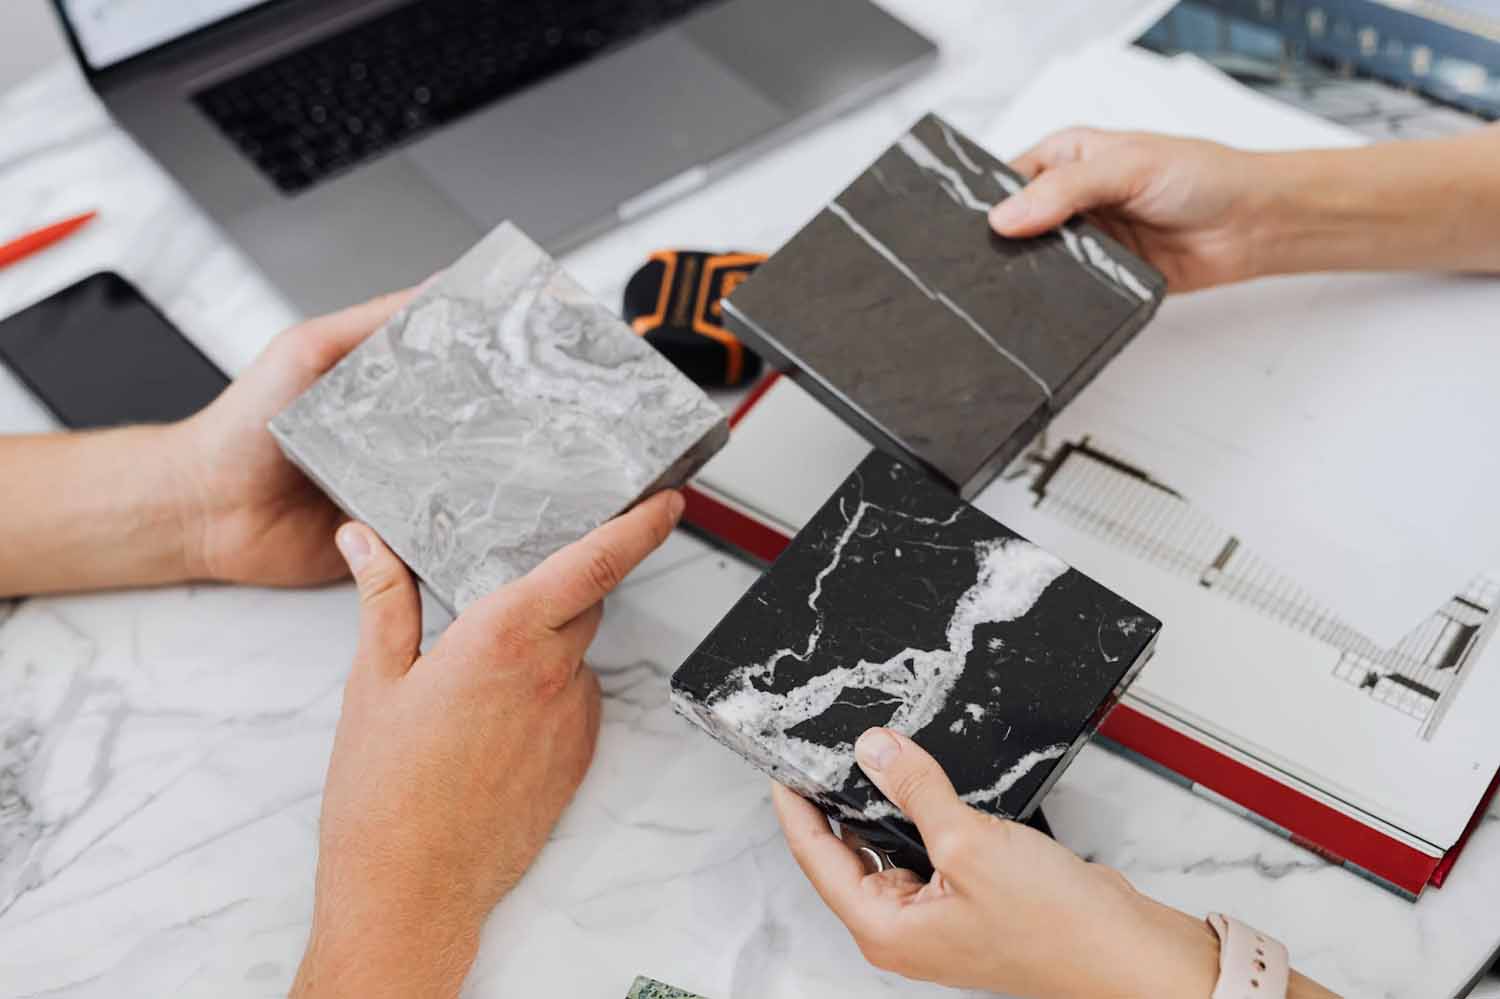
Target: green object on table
647	988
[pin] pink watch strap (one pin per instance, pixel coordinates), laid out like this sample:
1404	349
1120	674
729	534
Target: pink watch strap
1251	964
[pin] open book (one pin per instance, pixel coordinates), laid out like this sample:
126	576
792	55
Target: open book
1259	698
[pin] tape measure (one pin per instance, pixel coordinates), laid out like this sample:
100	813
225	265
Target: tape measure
673	301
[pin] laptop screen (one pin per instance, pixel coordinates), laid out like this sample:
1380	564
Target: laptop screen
111	31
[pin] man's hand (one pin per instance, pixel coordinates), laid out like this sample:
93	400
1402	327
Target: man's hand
248	515
451	768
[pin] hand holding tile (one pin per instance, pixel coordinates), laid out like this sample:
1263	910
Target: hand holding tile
1008	910
450	768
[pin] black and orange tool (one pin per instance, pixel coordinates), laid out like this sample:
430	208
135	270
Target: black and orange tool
673	301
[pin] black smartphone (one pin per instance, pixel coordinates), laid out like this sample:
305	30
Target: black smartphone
98	354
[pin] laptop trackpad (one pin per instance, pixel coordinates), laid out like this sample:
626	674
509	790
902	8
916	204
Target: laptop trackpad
560	157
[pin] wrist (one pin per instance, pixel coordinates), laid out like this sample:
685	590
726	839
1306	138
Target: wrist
1175	955
1279	207
146	537
184	494
1334	210
382	958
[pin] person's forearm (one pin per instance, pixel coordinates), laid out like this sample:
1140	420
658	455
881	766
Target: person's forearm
92	511
1430	205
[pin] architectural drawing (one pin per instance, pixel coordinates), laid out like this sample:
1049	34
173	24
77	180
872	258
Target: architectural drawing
1093	491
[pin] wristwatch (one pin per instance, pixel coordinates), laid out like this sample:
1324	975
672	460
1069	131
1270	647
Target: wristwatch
1251	964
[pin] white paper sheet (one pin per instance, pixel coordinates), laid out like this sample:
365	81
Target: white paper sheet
1339	423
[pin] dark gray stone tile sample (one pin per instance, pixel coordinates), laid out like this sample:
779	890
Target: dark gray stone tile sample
501	415
943	344
900	605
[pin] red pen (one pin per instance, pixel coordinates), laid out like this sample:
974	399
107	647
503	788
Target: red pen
34	242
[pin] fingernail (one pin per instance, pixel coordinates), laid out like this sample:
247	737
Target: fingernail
354	546
1009	213
431	280
676	504
876	749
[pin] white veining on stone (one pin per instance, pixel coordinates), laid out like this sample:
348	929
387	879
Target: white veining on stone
1007	182
983	796
937	296
1117	271
879	247
43	681
1010	576
1086	250
767	669
1012	776
973	324
948	178
1013	575
958	149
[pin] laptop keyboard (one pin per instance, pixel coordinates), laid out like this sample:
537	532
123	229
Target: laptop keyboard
348	98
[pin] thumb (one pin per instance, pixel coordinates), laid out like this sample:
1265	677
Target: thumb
909	776
1059	194
390	611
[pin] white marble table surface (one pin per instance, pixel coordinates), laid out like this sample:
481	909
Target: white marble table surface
162	753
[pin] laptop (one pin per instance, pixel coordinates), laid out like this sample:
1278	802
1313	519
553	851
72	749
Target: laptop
355	146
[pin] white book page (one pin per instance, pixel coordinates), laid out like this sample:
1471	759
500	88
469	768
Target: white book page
785	458
1337	422
1407	736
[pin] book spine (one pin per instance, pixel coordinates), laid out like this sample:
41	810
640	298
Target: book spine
740	534
1451	857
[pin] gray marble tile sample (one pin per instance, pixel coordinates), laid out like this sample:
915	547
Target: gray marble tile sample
501	415
901	605
943	344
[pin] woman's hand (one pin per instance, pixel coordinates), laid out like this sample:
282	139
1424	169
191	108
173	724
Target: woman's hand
1206	214
1187	206
248	515
1008	910
451	768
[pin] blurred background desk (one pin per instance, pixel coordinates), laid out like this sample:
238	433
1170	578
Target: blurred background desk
162	753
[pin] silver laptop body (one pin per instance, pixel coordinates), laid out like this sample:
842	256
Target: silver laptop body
565	157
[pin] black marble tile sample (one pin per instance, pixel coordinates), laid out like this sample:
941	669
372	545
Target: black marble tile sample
900	605
943	344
